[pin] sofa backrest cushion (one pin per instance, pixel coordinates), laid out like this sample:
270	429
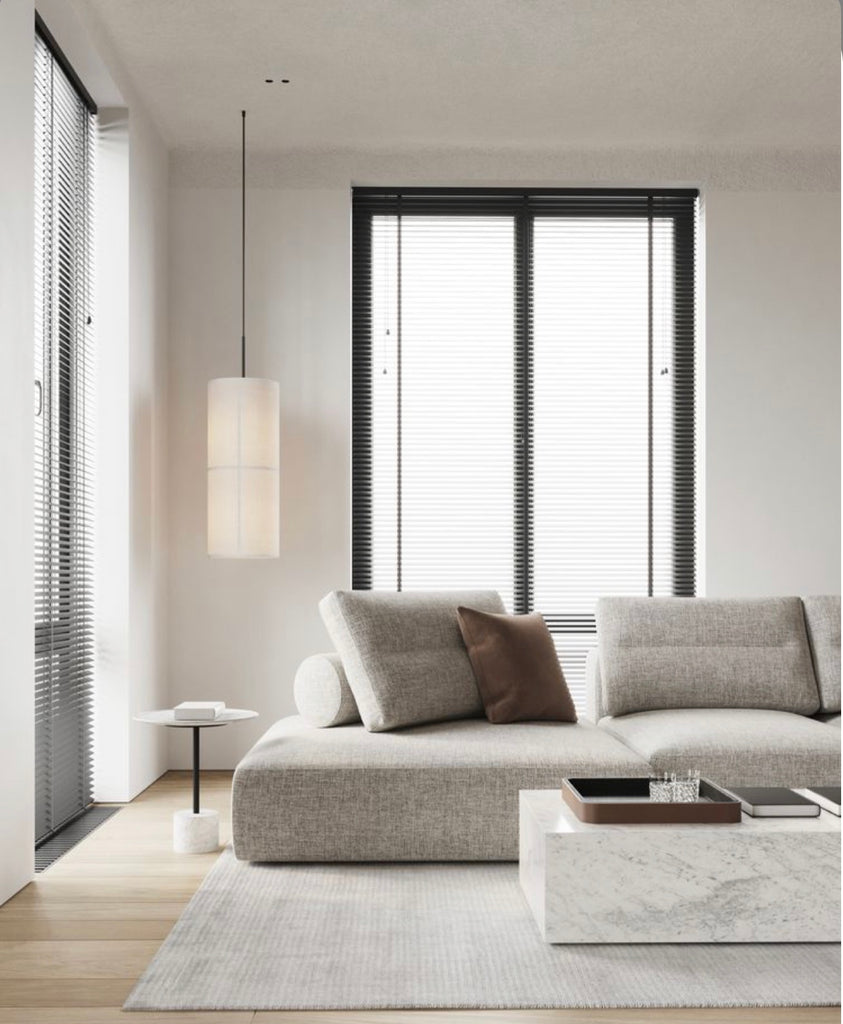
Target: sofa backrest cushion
404	655
686	652
822	617
322	694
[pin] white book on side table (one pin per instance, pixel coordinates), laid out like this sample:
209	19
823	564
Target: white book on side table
198	710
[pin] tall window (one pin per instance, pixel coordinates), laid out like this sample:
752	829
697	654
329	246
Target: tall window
523	398
64	649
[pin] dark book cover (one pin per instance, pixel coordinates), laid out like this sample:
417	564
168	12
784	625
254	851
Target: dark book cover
774	802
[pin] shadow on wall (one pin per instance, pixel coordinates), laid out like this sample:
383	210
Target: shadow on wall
314	463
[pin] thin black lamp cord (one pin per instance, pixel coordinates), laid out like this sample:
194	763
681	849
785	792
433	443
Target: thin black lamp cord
243	245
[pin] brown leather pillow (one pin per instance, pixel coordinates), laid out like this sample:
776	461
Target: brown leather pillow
516	668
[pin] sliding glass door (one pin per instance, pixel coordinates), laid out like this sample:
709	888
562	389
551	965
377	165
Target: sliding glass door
64	645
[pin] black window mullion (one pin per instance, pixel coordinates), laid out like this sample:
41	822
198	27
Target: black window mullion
523	384
361	399
684	439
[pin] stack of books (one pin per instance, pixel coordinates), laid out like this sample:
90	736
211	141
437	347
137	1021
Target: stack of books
198	710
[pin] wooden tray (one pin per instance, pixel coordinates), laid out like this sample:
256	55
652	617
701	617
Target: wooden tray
627	802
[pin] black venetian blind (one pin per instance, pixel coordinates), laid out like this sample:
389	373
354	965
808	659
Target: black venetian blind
523	398
64	642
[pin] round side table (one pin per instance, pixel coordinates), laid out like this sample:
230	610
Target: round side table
196	831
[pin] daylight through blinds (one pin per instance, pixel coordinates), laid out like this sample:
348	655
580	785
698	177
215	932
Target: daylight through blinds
523	398
64	644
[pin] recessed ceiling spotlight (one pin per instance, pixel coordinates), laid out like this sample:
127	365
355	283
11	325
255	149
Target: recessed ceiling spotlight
269	81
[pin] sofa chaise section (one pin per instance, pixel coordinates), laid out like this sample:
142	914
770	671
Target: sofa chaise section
447	791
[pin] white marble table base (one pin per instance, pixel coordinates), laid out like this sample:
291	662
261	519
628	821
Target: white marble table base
763	880
196	830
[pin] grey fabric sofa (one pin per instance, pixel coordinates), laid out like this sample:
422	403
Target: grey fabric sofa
446	791
748	691
728	687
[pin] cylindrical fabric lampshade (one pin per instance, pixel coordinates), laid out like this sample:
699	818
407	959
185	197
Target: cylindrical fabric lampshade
243	468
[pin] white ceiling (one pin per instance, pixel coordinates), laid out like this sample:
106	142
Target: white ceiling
375	73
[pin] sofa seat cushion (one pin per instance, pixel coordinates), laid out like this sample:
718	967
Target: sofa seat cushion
404	655
822	619
690	652
447	791
739	747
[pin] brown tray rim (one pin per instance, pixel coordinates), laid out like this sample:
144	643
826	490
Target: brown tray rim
725	796
726	810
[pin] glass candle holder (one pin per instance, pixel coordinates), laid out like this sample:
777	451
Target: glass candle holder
687	787
661	790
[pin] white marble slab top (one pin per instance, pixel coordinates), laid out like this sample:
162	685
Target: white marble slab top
168	717
553	815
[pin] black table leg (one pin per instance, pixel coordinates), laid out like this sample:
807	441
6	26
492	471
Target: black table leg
195	769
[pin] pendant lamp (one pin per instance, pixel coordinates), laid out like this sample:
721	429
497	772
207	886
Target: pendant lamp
243	447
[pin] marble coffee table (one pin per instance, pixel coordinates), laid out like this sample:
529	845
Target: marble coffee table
763	880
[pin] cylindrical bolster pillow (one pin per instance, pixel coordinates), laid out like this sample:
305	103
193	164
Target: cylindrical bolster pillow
323	696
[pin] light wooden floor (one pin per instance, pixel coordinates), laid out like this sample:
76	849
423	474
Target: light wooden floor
73	943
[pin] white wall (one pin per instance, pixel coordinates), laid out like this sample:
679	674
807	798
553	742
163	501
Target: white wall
147	412
771	418
111	691
773	393
131	459
238	628
17	699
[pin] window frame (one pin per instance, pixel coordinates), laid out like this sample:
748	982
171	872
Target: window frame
524	206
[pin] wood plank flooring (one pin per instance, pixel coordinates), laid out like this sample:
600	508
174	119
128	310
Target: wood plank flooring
73	943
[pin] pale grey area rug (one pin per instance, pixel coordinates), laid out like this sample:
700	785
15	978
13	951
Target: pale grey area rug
406	936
